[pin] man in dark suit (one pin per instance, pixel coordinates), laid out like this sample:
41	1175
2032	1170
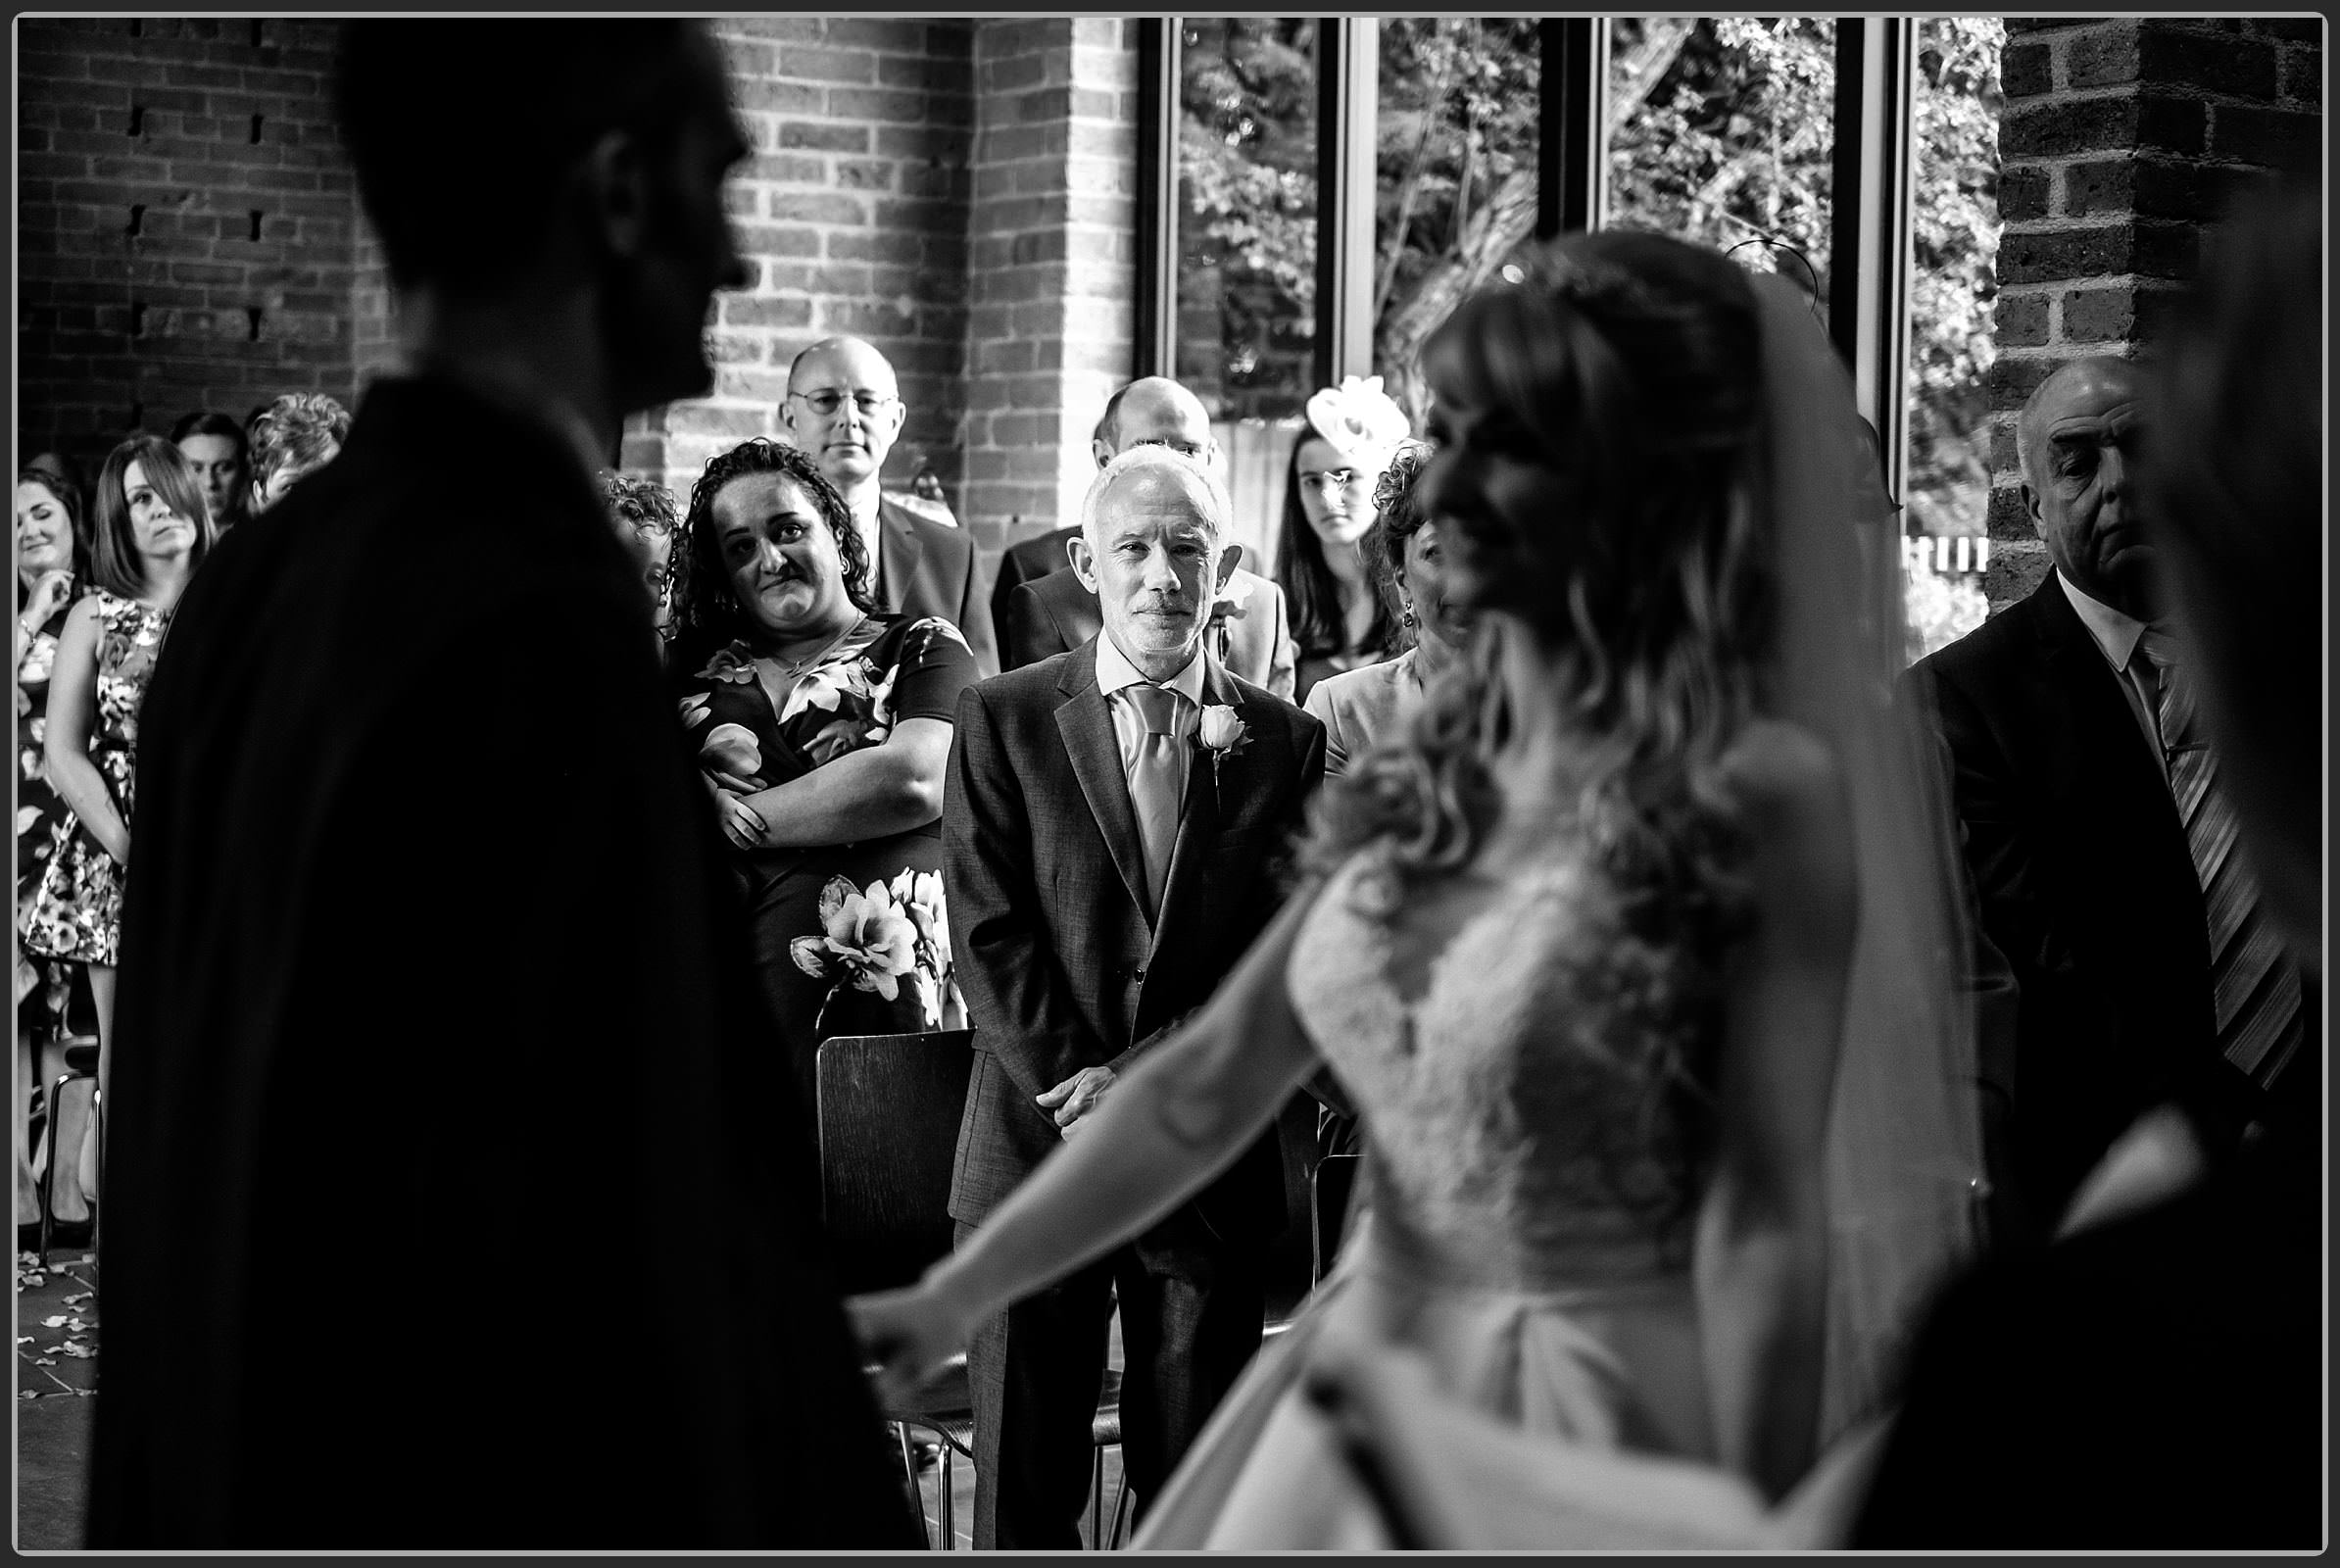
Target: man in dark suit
2071	778
1041	610
1109	833
844	406
2149	1381
280	1128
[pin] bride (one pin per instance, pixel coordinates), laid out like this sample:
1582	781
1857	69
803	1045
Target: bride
1636	952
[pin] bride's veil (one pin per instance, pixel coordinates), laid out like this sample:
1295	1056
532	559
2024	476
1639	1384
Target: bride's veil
1903	1158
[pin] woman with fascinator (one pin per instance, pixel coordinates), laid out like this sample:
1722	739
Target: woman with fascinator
1634	947
1338	616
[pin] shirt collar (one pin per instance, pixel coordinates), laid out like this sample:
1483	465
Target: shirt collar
2115	634
1114	672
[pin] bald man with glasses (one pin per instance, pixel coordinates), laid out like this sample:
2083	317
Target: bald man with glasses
843	409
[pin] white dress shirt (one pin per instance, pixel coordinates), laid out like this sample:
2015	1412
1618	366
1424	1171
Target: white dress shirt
1114	673
2116	636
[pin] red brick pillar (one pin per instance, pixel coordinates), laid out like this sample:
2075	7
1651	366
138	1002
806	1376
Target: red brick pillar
2121	142
1051	241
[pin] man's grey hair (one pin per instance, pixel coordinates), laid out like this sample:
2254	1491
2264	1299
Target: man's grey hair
2027	423
1212	503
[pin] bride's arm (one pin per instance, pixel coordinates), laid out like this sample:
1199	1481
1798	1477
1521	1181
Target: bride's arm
1179	1118
1761	1256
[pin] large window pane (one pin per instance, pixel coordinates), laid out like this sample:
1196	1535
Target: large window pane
1246	247
1455	144
1721	130
1952	284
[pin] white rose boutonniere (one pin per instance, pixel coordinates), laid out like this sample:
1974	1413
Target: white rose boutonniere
1222	734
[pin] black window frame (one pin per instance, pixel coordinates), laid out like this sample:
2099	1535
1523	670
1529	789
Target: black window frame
1870	238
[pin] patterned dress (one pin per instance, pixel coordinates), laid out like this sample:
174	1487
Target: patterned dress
41	817
848	938
75	912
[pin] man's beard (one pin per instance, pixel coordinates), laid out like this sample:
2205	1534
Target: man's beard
657	347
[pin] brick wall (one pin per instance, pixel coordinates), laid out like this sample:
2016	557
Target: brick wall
852	213
1053	251
959	192
2121	142
186	224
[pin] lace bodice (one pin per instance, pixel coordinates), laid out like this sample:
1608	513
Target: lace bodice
1506	1124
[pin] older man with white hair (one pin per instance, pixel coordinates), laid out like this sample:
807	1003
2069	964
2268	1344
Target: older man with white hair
1110	828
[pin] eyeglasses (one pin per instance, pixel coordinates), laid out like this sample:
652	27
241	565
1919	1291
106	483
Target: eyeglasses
828	399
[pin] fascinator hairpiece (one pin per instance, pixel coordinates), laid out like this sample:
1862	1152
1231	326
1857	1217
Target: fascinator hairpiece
1361	420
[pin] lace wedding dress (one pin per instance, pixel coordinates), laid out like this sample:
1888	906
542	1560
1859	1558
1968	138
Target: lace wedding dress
1510	1241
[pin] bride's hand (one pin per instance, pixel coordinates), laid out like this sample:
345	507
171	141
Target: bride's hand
909	1333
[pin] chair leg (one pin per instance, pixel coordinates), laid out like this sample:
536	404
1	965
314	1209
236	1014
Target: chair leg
48	1171
948	1460
910	1475
1121	1505
97	1130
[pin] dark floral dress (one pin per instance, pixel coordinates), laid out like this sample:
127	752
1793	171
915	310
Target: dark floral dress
41	984
76	910
848	938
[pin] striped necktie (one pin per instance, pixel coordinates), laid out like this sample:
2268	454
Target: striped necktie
2258	991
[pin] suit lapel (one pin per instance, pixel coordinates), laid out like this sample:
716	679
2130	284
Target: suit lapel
1087	726
902	549
1199	816
2104	727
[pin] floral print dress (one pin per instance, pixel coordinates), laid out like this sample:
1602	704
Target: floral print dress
41	817
76	910
848	938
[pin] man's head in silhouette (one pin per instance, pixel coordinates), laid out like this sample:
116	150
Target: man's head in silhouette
549	197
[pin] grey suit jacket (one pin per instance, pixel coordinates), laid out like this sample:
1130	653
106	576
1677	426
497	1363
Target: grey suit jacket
929	568
1045	877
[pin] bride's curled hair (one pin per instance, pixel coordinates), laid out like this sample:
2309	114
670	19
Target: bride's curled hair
1600	428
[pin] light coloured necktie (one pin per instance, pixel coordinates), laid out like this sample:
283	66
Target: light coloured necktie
2258	991
1154	784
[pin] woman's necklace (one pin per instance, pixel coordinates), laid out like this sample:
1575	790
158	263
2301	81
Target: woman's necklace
792	672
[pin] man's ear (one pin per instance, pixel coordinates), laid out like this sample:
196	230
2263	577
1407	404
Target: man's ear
1083	559
1228	559
1103	452
2031	510
616	186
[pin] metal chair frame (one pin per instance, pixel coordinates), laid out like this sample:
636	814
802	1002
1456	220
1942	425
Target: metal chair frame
81	1062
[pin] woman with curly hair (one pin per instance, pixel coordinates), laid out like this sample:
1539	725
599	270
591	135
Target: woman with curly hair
151	531
823	727
641	510
1634	949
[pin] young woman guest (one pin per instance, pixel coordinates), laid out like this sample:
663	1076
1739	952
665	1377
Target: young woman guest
51	564
151	531
1338	617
